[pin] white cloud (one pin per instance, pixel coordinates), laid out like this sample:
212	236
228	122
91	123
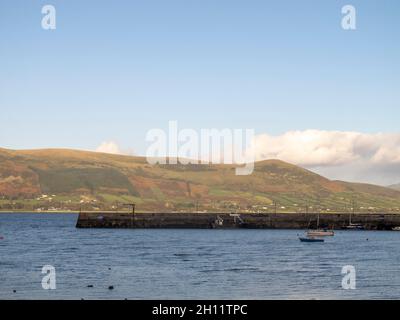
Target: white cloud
327	148
109	147
344	154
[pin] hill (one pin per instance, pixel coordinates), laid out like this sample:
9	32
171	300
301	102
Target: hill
71	179
395	186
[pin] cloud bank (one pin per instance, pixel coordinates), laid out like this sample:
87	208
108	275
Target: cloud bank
339	154
327	148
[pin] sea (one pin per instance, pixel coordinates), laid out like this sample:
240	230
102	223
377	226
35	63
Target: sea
43	256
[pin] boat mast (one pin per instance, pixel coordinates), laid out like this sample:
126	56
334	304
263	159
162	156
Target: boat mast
352	209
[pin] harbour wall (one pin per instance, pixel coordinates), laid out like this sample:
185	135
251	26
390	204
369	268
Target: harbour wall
228	221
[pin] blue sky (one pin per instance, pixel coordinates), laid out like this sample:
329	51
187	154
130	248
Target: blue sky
114	69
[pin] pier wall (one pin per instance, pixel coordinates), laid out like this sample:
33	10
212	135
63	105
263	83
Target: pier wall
250	221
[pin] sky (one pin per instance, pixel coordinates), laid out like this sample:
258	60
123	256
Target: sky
113	70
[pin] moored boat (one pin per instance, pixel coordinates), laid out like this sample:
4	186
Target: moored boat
310	239
320	233
354	226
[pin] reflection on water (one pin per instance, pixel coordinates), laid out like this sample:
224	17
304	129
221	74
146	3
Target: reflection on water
190	264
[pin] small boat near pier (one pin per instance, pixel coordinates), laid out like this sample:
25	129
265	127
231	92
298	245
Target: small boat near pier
320	232
311	239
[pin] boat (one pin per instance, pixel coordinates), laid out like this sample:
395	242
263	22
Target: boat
396	229
353	226
320	232
217	223
310	239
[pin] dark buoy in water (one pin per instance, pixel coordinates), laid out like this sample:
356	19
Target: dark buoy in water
90	286
111	288
15	291
109	268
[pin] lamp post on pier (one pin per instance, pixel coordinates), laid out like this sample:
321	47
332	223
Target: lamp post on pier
133	205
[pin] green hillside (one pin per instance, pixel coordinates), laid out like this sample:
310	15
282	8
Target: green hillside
70	179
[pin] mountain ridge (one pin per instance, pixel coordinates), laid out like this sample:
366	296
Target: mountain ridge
72	179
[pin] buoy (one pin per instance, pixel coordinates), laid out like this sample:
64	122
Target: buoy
111	288
90	286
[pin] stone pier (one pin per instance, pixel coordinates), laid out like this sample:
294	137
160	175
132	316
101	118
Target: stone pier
230	221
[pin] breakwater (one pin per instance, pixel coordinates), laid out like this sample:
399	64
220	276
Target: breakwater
370	221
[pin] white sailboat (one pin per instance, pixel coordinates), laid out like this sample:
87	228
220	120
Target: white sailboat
353	226
320	232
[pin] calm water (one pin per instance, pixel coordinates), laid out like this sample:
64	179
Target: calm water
190	264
